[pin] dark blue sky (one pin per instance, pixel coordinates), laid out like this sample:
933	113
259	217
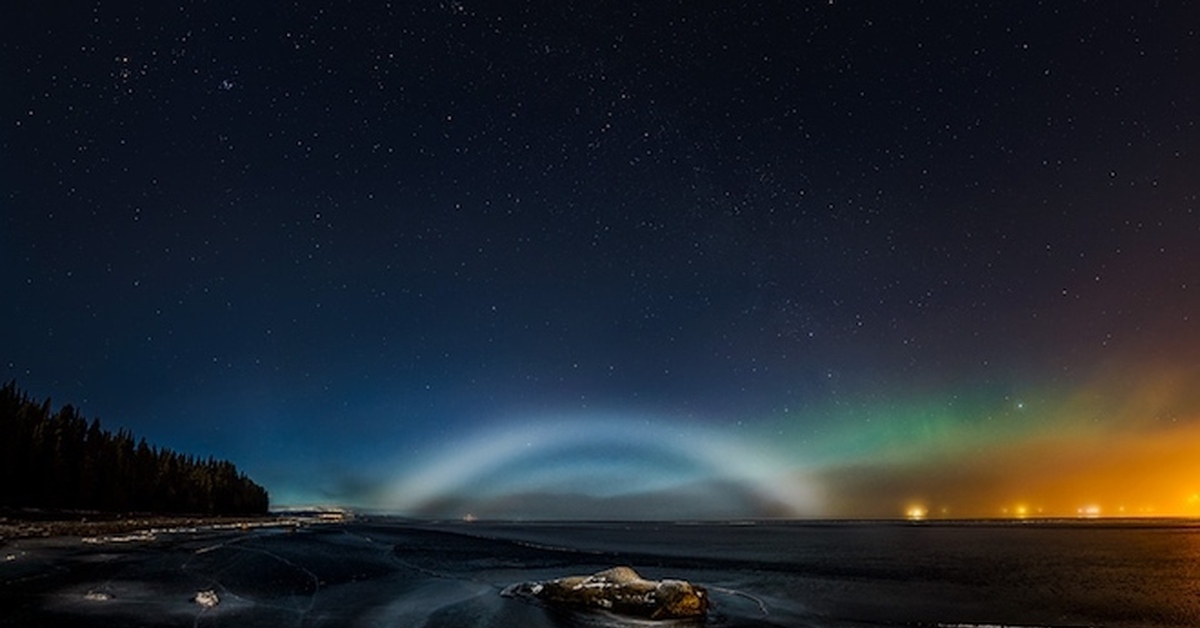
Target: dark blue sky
342	244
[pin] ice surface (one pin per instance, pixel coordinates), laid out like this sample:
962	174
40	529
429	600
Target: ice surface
451	575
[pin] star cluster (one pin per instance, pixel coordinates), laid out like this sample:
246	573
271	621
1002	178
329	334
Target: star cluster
332	241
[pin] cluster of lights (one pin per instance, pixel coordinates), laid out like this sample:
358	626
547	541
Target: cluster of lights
918	512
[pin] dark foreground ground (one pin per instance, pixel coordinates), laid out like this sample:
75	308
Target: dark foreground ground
819	575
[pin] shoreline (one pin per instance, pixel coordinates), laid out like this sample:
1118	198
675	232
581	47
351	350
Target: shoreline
93	525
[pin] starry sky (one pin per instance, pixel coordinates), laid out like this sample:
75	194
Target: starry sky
619	259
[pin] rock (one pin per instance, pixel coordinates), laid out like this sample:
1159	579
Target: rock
619	590
207	599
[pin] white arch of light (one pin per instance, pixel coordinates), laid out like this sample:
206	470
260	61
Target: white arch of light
719	455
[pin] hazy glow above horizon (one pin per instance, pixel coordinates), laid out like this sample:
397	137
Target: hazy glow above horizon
1100	450
669	458
1122	446
1044	461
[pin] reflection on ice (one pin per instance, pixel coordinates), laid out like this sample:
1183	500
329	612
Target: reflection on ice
740	597
439	601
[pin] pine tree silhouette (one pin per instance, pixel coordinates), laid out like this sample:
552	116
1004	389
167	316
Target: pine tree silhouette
57	460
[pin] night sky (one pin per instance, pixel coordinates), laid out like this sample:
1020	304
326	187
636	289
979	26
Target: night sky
619	260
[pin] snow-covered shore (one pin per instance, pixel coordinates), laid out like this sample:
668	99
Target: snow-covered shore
135	527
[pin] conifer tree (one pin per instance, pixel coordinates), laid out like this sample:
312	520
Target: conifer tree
58	460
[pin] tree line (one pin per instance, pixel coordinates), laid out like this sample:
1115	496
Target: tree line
59	460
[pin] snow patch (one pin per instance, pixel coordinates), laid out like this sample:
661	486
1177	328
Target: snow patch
144	535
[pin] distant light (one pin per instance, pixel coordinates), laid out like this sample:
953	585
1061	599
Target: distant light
1022	511
916	513
1090	511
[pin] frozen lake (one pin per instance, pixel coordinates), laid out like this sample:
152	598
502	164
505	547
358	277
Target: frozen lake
388	573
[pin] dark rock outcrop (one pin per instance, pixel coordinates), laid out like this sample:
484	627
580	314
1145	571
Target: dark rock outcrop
618	590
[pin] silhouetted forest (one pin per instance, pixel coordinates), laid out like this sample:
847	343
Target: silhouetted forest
58	460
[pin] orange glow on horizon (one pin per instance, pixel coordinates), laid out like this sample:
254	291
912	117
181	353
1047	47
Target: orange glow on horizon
1125	445
1101	475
